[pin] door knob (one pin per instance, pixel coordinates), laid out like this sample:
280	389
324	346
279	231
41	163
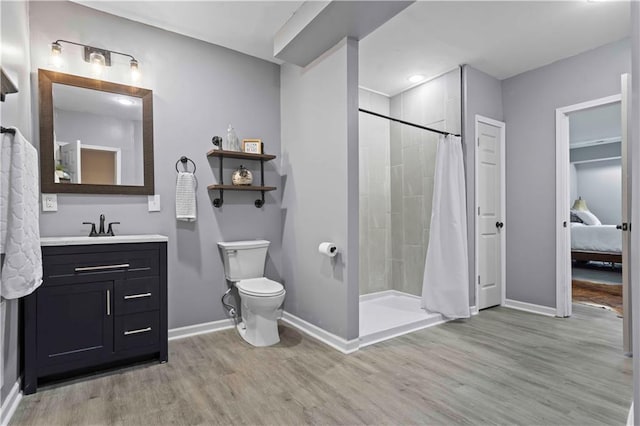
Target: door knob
499	225
623	227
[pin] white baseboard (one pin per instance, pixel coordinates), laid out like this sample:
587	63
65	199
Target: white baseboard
630	416
336	342
473	310
530	307
10	404
205	327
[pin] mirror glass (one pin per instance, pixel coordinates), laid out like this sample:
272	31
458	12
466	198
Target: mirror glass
96	137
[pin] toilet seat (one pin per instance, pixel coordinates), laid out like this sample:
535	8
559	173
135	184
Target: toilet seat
260	287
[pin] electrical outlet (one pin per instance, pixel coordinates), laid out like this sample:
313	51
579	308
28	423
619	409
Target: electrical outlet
154	203
49	202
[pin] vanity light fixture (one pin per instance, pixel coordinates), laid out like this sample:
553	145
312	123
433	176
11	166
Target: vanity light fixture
56	55
97	57
135	71
97	61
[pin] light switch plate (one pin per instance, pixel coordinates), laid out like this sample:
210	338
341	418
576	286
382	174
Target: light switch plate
49	202
154	203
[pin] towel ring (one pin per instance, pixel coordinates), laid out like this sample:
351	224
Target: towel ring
184	160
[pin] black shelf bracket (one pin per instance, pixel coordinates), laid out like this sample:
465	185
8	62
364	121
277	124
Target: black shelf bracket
260	201
220	200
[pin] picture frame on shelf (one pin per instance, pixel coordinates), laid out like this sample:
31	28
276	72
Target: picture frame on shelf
252	146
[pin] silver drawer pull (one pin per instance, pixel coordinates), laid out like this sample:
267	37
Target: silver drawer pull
137	296
142	330
101	268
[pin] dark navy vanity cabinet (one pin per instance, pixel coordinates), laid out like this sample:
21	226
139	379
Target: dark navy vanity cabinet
99	306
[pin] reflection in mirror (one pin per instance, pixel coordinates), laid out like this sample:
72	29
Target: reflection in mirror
96	137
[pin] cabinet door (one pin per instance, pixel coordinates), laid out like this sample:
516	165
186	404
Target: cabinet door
75	325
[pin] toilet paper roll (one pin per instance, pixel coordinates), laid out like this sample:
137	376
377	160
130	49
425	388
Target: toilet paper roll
328	249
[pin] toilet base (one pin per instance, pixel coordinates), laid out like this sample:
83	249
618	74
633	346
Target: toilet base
265	336
259	326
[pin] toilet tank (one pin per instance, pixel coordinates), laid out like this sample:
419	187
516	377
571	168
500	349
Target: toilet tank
243	259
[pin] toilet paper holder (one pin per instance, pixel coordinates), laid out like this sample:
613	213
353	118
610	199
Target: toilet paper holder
328	249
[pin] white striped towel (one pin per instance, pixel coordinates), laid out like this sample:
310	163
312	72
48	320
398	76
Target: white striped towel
186	197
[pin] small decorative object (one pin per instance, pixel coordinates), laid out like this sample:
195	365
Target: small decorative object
252	146
233	143
242	176
217	141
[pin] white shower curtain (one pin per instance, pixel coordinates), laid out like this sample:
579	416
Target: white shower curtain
445	287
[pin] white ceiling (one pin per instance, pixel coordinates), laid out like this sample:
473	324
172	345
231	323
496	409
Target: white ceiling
244	26
502	38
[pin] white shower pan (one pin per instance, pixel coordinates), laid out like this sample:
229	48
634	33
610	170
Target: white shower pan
388	314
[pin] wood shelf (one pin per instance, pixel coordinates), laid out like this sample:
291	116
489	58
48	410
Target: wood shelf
221	187
241	188
240	155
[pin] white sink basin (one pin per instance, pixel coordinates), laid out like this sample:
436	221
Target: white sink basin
75	241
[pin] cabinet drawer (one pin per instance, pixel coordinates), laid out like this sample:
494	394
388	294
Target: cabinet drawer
84	267
136	295
137	330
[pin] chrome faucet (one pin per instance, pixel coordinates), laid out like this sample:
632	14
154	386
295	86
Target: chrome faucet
101	232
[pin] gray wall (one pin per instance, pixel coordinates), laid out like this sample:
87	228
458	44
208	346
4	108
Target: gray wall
435	104
482	95
105	130
199	88
600	184
375	220
530	100
320	188
15	111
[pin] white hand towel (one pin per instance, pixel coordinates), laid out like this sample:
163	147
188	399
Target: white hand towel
186	197
20	236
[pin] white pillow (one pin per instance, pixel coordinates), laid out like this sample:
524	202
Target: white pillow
587	217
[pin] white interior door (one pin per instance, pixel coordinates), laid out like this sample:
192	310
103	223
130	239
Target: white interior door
626	216
71	161
490	211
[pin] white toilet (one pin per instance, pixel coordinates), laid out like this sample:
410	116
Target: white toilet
261	297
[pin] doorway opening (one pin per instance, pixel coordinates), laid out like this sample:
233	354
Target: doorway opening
595	186
591	207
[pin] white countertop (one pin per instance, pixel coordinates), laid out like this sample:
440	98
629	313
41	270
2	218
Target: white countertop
118	239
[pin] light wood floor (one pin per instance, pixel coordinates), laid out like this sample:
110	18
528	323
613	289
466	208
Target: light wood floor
500	367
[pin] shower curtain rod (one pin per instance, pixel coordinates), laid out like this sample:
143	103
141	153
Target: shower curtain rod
406	122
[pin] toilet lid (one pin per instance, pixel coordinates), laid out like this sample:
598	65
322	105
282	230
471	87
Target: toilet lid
260	287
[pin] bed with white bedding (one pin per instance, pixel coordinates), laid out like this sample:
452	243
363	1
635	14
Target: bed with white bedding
596	242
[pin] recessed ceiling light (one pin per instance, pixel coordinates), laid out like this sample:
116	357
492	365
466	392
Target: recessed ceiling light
124	101
416	78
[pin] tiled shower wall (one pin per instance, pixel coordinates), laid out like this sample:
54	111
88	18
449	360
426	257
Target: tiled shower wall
375	227
436	104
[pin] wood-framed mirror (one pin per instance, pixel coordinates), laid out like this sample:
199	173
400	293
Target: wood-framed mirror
96	137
